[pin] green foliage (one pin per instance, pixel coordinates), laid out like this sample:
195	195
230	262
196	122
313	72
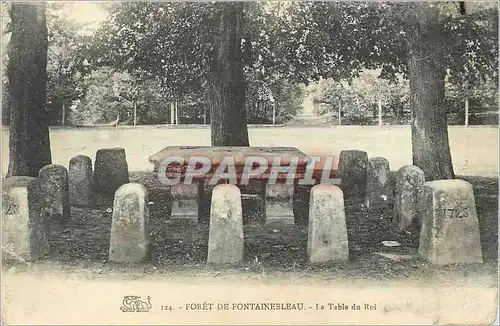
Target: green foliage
107	96
288	97
359	97
374	35
66	64
165	49
172	45
472	43
339	39
168	42
482	98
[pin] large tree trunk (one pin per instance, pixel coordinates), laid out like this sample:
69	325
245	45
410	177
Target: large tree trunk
5	105
29	144
227	96
430	146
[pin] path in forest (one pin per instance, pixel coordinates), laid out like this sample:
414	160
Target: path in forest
307	118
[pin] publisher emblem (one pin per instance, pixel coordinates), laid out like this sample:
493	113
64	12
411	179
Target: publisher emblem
133	303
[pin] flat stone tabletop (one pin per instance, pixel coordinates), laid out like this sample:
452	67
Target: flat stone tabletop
239	154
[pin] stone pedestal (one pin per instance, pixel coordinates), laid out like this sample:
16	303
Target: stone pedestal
129	241
450	227
301	199
279	202
226	241
353	173
23	229
378	188
185	199
54	191
392	185
409	182
327	232
80	180
253	202
110	170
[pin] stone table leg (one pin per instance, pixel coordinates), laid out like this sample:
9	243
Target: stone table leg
279	202
185	200
301	198
252	201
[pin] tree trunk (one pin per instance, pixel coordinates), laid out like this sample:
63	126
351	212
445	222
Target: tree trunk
29	143
466	112
227	98
172	113
274	113
176	105
63	117
379	112
395	110
135	113
5	106
430	146
339	113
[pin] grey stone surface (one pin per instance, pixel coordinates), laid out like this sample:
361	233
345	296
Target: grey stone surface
392	184
225	243
378	187
301	201
327	233
450	227
353	165
253	198
279	202
185	198
409	182
110	170
54	191
129	241
80	180
24	235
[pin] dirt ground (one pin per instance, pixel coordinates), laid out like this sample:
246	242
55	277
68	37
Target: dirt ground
277	248
75	284
76	272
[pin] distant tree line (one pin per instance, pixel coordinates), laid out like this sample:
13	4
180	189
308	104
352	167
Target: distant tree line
234	56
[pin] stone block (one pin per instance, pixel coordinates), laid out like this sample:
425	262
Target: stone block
80	180
279	202
54	191
352	169
378	188
327	233
450	227
110	170
226	241
24	236
129	241
409	182
185	200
